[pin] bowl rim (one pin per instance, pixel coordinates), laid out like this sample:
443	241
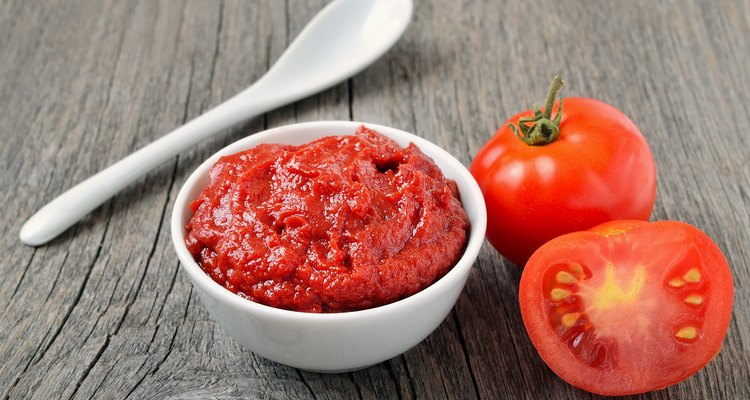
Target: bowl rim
460	270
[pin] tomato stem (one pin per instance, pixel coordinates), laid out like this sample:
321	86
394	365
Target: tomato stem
542	129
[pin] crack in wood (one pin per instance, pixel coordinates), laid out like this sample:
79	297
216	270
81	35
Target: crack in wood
170	348
466	150
20	280
215	56
392	374
158	364
410	377
190	90
354	382
304	382
69	312
90	366
57	277
466	353
111	84
88	370
169	291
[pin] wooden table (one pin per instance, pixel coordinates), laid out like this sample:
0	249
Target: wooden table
104	310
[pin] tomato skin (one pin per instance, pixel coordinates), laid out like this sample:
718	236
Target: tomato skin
599	169
665	250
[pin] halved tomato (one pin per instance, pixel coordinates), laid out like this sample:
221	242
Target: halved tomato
628	306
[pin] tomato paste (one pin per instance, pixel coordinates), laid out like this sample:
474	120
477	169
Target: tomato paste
339	224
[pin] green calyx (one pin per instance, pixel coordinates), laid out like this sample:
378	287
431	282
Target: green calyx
541	129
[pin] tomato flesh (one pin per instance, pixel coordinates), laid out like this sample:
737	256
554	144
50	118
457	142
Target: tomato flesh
628	306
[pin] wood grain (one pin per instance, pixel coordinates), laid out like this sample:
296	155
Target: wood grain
103	311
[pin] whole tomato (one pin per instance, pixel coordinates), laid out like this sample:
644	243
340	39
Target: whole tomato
544	176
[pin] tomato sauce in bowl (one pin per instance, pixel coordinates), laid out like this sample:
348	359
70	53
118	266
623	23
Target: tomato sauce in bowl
342	223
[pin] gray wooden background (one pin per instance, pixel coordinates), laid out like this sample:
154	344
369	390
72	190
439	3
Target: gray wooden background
104	310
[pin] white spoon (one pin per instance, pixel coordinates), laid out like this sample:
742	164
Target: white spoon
344	38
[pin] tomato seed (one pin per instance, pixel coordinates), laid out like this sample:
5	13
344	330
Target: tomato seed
688	332
694	299
693	275
565	278
577	269
570	319
558	294
677	282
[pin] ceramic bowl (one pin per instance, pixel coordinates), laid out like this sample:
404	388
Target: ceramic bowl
332	342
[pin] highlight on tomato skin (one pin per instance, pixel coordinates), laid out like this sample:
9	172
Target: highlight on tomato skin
628	306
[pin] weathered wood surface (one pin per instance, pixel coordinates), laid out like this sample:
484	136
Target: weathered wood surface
104	310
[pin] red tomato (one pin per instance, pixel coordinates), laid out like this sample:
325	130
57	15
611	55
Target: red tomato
628	306
599	169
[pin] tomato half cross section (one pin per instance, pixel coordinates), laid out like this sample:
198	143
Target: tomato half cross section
628	306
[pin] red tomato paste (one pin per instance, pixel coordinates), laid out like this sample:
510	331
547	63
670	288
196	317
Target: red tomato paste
339	224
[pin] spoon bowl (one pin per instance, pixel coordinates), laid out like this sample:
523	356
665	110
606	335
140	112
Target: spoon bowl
341	40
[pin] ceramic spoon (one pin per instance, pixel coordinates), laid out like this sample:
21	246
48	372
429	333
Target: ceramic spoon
344	38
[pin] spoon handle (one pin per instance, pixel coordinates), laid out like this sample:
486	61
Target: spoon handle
74	204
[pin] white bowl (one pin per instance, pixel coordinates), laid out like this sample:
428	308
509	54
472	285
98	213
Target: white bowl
337	341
